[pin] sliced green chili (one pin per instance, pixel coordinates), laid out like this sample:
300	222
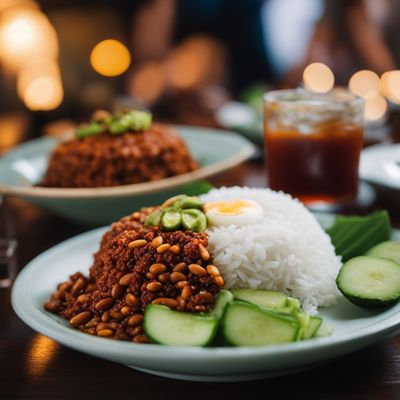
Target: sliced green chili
171	220
194	220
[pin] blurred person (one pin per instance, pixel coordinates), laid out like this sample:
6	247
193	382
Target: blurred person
288	27
347	38
199	43
388	14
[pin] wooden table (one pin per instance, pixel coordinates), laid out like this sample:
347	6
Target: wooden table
35	367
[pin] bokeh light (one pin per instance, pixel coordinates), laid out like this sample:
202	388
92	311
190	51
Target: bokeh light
148	82
44	93
365	83
39	85
187	63
26	34
318	78
29	49
110	58
390	86
375	107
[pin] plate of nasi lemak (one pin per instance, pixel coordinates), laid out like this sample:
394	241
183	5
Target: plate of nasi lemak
236	284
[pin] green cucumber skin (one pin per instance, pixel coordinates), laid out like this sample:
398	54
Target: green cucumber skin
304	320
197	223
261	298
289	306
269	312
171	220
224	297
369	303
208	318
311	330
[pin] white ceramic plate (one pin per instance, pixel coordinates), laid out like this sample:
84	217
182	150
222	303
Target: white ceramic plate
380	165
243	118
354	328
214	150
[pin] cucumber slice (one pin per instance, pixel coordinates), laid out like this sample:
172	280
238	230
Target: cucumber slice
153	219
389	249
370	281
292	305
165	326
187	202
171	220
280	303
262	298
245	324
268	299
324	330
311	329
224	297
194	220
304	320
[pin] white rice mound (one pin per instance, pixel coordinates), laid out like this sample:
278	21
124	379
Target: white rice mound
286	251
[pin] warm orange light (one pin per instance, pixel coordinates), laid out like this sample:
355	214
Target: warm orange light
194	63
318	78
36	69
39	85
7	4
110	58
26	34
390	86
12	129
148	82
375	107
364	83
40	354
44	93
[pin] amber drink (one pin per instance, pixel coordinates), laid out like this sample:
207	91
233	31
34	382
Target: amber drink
313	143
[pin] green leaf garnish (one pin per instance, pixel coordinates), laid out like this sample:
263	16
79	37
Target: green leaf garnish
102	121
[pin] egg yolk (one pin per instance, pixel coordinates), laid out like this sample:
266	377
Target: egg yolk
232	207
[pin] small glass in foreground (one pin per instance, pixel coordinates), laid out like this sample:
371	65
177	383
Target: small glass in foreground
313	143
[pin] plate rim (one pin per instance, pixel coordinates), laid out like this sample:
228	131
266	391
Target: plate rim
42	322
247	150
369	152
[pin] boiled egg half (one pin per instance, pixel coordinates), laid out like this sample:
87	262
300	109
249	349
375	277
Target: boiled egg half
233	212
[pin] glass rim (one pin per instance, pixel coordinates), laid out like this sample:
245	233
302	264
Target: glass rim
297	96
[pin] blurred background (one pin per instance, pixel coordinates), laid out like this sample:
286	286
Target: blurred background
186	59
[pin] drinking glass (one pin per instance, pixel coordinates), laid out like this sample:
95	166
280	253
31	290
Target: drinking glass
313	143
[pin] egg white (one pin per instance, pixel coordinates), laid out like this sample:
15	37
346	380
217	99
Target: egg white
233	212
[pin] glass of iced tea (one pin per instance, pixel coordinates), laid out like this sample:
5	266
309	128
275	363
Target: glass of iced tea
313	143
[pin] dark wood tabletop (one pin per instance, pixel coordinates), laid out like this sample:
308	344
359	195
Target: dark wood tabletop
33	366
